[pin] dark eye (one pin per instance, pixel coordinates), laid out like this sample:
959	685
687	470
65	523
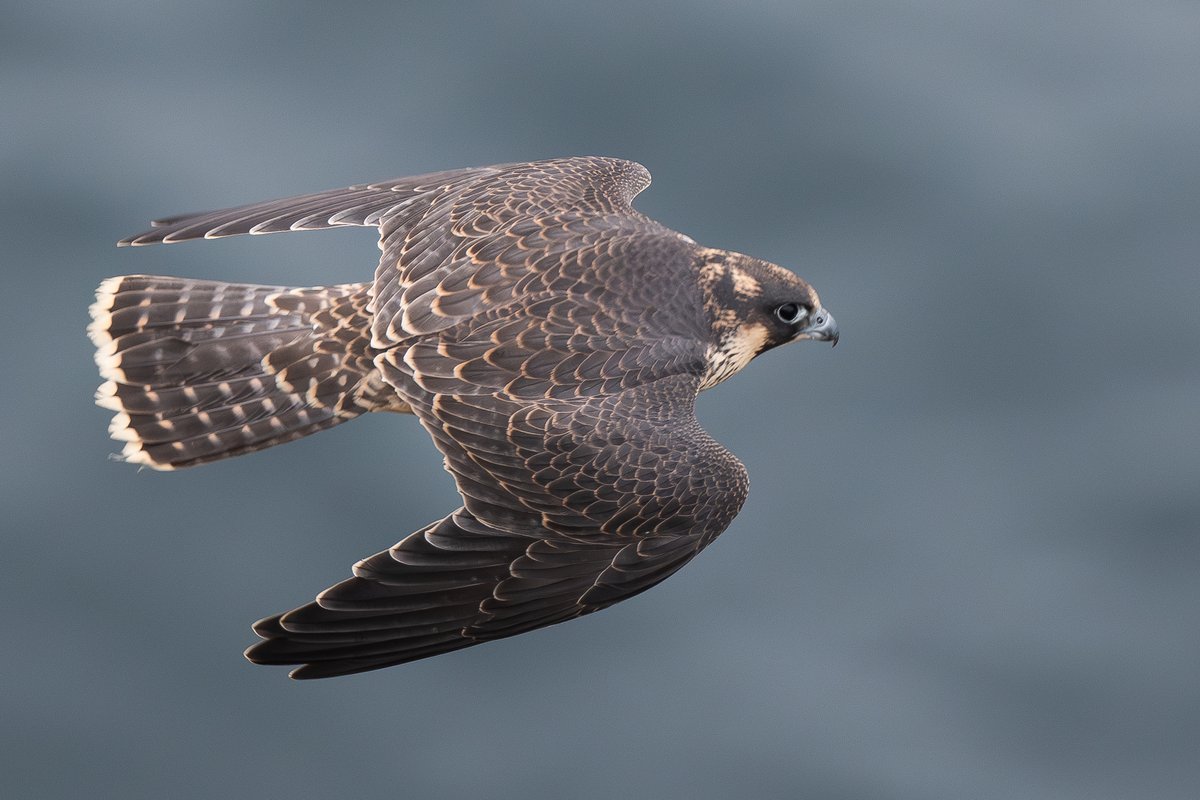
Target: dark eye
791	313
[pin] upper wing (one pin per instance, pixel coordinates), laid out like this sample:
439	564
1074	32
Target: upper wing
482	197
570	507
365	204
606	467
479	244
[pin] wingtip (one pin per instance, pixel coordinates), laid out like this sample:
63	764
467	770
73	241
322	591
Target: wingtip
265	628
303	673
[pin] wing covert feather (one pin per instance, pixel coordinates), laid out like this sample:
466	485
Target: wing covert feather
470	246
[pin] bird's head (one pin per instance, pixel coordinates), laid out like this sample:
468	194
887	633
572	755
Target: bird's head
754	305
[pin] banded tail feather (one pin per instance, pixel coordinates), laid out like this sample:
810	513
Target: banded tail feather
202	370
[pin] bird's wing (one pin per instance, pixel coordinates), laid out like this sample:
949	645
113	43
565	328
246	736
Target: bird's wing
364	204
482	198
503	236
571	506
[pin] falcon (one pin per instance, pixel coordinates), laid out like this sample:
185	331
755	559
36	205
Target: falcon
549	338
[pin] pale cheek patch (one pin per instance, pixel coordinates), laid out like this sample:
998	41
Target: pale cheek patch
748	342
735	351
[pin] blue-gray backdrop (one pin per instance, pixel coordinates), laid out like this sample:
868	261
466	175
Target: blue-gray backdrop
968	565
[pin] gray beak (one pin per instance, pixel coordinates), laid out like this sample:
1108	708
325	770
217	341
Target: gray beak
823	328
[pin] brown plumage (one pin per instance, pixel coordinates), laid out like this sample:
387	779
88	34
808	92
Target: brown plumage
549	338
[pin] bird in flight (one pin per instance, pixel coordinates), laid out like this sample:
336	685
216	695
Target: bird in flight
549	338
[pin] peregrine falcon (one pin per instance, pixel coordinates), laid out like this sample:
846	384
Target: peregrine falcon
549	338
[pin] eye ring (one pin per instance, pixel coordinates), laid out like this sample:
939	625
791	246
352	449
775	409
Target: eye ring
791	313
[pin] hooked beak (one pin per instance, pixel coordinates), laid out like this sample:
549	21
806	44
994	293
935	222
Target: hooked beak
823	328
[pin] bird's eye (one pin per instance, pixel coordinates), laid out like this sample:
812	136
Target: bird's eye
791	313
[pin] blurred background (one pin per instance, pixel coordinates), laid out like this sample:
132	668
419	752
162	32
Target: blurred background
968	565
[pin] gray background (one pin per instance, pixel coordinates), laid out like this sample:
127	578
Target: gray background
968	565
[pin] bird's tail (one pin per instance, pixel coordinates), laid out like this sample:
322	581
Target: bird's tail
202	370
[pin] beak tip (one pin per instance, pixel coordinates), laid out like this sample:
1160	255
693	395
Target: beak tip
825	329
